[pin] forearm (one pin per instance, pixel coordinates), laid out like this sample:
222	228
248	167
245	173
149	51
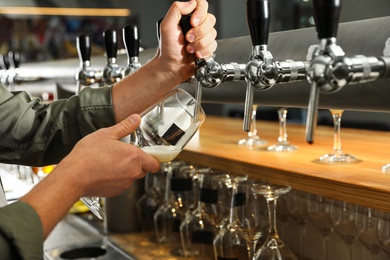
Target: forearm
35	134
53	197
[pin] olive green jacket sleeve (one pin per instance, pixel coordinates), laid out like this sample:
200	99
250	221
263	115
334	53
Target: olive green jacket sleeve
32	133
21	232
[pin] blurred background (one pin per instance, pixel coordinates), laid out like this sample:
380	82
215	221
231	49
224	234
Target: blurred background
44	30
50	33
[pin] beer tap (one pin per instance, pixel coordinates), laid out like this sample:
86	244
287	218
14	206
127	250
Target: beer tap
210	73
5	72
86	76
131	41
262	72
330	70
14	59
112	73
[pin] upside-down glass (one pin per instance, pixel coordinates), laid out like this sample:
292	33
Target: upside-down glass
165	129
250	215
231	243
273	248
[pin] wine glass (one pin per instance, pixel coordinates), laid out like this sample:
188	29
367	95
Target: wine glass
168	216
384	231
337	155
151	200
283	145
165	129
201	225
228	243
250	214
319	215
366	227
253	139
273	247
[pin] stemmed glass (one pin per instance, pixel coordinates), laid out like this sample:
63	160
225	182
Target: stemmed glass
250	214
168	216
342	215
337	155
283	144
366	226
228	243
201	225
273	247
253	139
319	215
165	129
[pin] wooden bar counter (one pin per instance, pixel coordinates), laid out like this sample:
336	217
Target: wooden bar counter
361	183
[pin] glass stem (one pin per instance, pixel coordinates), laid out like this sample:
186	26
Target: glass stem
282	114
326	247
336	114
253	130
168	183
271	204
251	246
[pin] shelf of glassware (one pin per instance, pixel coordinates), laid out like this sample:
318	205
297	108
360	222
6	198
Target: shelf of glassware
361	183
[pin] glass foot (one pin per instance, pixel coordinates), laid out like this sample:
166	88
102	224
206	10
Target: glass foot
386	168
282	147
252	141
338	158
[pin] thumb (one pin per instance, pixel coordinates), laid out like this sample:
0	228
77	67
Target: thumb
125	127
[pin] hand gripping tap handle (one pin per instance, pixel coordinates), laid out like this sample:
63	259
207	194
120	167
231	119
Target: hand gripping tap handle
258	19
185	25
326	15
111	43
131	40
83	45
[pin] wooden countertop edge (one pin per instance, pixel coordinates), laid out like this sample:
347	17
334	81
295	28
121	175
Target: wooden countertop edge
357	183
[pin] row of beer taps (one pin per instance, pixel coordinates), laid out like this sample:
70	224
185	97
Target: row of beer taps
112	72
327	68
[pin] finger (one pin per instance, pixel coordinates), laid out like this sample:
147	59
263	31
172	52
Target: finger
177	10
200	12
150	164
125	127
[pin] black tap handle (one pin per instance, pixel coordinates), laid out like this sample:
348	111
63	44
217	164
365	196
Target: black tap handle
111	43
14	58
83	45
3	62
258	19
326	16
185	23
131	40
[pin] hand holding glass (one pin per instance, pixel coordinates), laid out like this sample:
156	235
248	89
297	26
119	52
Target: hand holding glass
165	129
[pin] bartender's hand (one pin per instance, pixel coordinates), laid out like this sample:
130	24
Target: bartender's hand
174	61
99	165
179	50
